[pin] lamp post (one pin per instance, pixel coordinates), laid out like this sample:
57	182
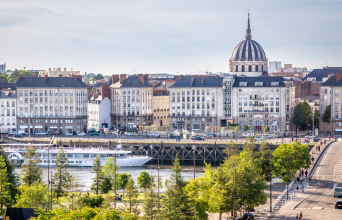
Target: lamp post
194	148
115	179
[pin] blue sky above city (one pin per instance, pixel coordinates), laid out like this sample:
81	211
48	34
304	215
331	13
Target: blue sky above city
156	36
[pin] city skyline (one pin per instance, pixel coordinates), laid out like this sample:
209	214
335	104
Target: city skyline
174	37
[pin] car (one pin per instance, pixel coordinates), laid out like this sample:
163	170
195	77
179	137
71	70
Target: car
337	191
197	138
154	135
81	134
22	132
267	136
69	134
18	135
129	134
316	139
94	133
338	204
258	138
310	136
247	135
41	133
11	132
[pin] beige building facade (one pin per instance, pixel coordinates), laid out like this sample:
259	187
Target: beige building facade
57	72
161	108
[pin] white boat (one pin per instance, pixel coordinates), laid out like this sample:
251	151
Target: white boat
77	157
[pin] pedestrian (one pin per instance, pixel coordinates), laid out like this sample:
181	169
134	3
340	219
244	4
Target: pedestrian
297	188
302	172
319	148
298	179
306	173
292	139
297	217
302	188
300	215
301	180
312	159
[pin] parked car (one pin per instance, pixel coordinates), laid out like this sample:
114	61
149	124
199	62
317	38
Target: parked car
258	138
247	135
94	133
154	135
197	138
22	132
81	134
129	134
11	132
41	133
310	136
18	135
316	139
338	204
337	191
54	133
69	134
267	136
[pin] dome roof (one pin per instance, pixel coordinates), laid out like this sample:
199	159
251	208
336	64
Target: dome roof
248	50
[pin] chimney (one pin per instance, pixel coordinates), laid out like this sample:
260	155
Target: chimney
146	76
19	77
33	75
141	78
179	77
60	75
191	80
114	78
80	77
105	92
202	79
74	77
122	78
45	78
94	96
338	76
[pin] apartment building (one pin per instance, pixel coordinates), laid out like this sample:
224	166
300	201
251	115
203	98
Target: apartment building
52	104
131	101
227	87
196	102
57	72
161	107
260	102
99	109
7	110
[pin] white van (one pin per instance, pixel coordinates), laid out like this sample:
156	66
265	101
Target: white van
248	134
22	132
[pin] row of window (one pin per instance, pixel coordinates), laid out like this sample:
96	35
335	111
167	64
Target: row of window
51	92
194	105
8	121
2	112
258	103
7	104
194	92
193	99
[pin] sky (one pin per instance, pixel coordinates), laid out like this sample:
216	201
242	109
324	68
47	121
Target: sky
165	36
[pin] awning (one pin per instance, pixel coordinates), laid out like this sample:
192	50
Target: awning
23	126
69	127
38	127
338	130
53	127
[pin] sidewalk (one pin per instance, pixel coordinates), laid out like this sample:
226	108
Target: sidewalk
284	207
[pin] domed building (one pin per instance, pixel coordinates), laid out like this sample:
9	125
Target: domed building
248	57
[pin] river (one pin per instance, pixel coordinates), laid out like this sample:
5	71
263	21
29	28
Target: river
84	175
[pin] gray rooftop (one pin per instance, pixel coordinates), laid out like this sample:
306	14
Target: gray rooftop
7	85
311	98
332	82
66	82
319	74
3	95
207	82
259	81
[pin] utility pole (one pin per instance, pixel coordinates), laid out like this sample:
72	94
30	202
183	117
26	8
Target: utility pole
51	190
194	161
313	124
271	187
115	179
287	178
158	178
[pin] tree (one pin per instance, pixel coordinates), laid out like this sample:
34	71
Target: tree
151	204
231	149
106	185
122	180
88	81
4	185
316	121
35	195
61	176
12	176
97	169
132	203
98	76
326	117
110	169
245	127
31	172
236	129
91	201
3	78
176	204
144	180
264	160
295	156
301	114
266	129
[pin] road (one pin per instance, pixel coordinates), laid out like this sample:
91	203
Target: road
321	204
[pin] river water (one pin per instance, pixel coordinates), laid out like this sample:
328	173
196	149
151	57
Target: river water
84	175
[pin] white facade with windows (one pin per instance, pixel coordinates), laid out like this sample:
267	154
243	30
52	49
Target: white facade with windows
7	111
99	113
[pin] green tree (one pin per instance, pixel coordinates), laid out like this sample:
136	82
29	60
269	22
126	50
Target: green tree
106	185
176	204
326	117
151	204
301	114
144	180
12	176
31	172
35	195
264	160
91	201
11	80
122	180
4	185
231	149
3	78
61	177
266	129
295	156
98	76
245	127
316	119
236	129
110	169
88	81
99	176
131	204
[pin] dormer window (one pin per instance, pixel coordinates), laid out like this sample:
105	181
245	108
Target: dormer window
274	83
258	84
243	84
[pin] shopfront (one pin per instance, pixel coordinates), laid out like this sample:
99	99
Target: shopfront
38	129
69	130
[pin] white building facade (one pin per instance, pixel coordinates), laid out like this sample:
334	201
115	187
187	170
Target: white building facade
99	113
7	111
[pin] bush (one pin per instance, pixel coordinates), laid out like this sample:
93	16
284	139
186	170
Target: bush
91	201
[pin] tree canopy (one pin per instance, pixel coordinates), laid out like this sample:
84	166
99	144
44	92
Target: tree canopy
302	114
326	117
